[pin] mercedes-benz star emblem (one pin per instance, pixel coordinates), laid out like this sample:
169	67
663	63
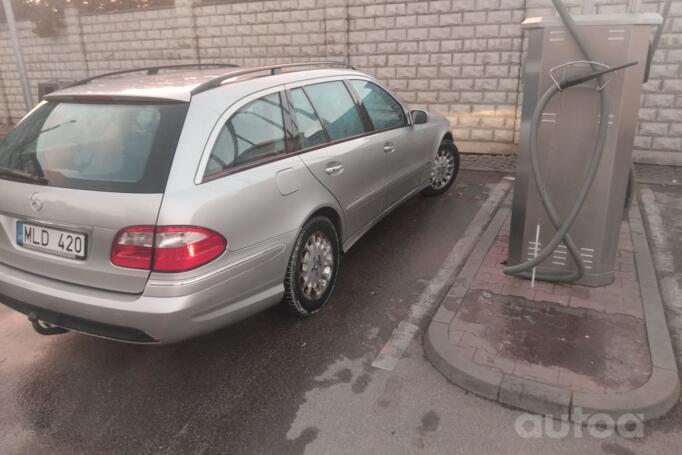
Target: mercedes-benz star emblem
36	202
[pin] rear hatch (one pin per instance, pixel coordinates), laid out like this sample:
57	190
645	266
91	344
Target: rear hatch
72	174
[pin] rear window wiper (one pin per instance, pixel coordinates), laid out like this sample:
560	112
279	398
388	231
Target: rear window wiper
21	175
56	126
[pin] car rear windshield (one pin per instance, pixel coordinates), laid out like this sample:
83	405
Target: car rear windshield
118	147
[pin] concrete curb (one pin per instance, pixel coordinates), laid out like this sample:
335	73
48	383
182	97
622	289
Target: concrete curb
462	371
652	400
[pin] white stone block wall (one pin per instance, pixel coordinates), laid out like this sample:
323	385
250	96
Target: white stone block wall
462	58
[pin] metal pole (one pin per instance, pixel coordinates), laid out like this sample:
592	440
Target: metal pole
12	26
588	7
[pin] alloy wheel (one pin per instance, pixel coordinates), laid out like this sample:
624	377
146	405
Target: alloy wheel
317	266
443	169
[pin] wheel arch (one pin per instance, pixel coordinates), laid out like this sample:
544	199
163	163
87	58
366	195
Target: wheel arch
333	215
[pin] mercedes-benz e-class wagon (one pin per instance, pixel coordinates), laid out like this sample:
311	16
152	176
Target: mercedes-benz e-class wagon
154	205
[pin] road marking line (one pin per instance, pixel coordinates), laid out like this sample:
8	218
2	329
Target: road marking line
396	346
393	350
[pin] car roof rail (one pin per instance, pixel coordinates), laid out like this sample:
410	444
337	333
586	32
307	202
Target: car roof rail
272	69
151	70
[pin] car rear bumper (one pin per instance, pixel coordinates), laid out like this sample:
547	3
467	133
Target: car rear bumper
100	329
148	318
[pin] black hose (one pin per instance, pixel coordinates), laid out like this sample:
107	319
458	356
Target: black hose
588	77
659	31
657	39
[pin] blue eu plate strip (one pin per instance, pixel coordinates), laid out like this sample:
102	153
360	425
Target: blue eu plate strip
20	233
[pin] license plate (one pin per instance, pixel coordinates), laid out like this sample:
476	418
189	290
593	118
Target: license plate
50	240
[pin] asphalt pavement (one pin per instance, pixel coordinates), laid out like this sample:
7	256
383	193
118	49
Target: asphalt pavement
277	385
238	390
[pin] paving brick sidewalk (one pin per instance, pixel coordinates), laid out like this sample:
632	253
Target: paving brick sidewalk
588	339
554	348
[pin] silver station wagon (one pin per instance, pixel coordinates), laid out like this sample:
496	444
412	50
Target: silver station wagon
158	204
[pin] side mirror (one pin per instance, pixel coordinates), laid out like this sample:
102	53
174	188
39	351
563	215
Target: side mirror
419	117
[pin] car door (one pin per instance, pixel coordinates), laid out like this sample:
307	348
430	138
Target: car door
336	146
395	137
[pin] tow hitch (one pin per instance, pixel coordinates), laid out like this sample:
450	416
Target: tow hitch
45	328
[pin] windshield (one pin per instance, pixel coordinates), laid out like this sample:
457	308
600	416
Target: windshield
118	147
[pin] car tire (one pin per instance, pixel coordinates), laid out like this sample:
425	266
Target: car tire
313	267
445	169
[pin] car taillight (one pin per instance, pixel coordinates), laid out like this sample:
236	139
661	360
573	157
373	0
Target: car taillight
166	248
133	247
178	249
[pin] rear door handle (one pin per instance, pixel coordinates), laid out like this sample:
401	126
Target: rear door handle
389	148
334	168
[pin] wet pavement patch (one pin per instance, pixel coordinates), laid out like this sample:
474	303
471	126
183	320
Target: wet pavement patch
611	349
361	383
430	422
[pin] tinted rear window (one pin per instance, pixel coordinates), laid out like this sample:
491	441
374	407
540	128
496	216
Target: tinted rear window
97	146
253	133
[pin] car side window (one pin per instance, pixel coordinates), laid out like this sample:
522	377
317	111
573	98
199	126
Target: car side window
254	132
383	110
310	131
337	110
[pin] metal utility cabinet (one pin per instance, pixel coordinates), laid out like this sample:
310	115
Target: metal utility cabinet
568	133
